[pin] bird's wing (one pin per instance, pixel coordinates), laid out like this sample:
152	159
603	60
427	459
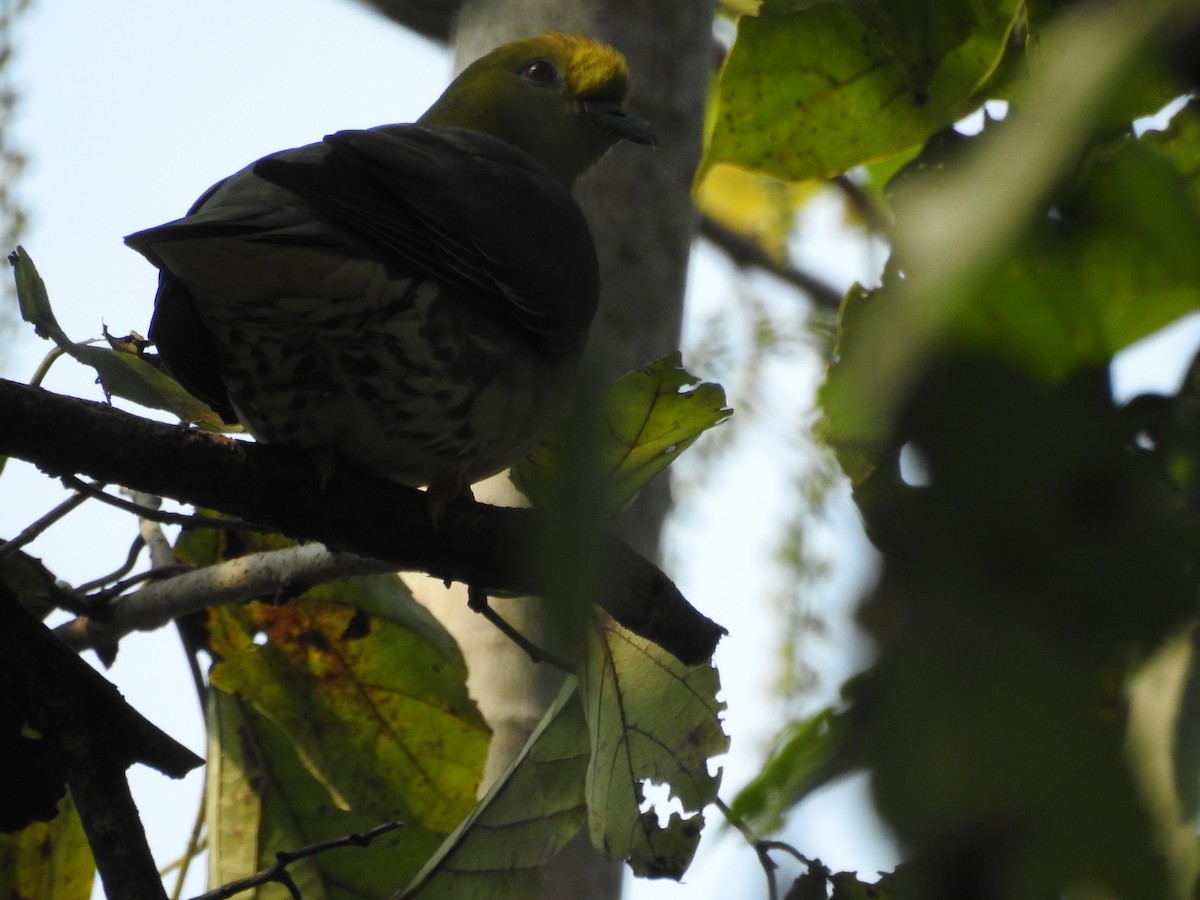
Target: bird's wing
462	207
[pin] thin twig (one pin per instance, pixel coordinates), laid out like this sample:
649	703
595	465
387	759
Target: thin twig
477	601
196	843
166	518
278	872
181	861
786	848
44	366
28	535
875	217
746	254
135	550
98	599
762	848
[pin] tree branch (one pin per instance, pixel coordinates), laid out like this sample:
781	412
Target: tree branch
744	253
432	18
97	736
488	547
278	871
295	569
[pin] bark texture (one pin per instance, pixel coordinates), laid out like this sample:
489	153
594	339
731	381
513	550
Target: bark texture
638	203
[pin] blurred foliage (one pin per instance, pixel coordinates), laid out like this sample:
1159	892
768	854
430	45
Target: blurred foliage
807	754
643	422
12	160
1040	540
754	205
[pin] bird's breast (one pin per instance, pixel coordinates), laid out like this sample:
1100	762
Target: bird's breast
405	377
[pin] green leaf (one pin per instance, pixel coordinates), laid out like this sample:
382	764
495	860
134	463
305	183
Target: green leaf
1115	263
48	859
33	300
1110	262
918	34
123	371
1180	143
654	720
131	376
983	219
819	91
261	800
806	755
649	417
379	715
529	814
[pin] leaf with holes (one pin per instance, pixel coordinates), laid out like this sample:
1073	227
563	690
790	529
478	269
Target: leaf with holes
651	720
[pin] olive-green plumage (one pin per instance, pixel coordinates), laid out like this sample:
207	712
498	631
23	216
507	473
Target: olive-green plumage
412	297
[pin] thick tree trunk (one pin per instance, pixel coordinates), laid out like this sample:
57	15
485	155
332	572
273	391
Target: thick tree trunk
639	205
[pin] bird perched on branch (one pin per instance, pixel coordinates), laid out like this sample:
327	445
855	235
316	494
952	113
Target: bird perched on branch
413	298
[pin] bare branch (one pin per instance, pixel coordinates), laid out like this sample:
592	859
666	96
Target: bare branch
153	513
746	254
278	872
261	574
478	602
432	18
135	550
30	534
877	220
491	548
762	848
96	735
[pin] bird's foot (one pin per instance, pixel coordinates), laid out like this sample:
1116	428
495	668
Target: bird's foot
440	496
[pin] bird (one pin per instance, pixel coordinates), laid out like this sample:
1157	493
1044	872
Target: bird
410	299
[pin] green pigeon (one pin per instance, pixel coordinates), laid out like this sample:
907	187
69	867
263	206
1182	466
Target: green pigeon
413	299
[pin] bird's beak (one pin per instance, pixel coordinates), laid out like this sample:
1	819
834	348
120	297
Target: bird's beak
614	119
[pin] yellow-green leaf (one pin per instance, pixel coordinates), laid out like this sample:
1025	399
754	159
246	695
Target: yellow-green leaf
649	417
48	859
131	376
529	814
758	207
261	799
379	715
652	720
123	371
805	756
815	92
33	300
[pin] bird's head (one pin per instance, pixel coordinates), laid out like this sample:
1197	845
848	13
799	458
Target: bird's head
557	97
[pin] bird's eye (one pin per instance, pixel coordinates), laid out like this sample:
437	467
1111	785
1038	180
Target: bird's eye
541	71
